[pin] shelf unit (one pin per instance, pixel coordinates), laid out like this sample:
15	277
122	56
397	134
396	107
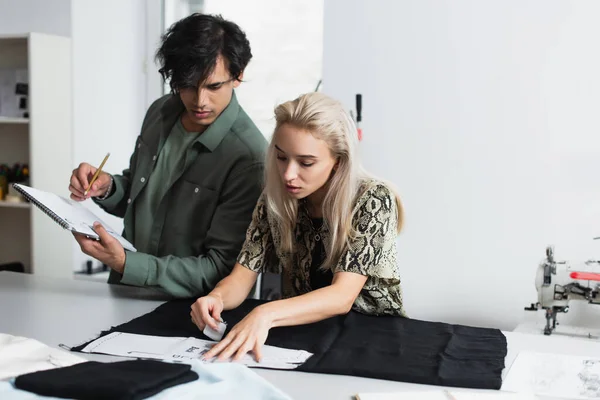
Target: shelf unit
8	204
44	141
13	120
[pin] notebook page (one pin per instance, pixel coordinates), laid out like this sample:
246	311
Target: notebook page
79	217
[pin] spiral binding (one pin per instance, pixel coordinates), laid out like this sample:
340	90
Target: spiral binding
42	207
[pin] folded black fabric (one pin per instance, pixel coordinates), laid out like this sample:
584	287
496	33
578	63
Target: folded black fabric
393	348
124	380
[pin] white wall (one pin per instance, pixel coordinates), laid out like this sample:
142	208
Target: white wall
41	16
45	16
286	37
113	44
484	115
109	84
152	34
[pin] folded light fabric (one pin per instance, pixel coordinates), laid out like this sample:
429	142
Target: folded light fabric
224	381
123	380
215	381
20	355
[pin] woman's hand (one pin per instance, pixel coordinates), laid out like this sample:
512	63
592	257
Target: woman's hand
207	311
248	335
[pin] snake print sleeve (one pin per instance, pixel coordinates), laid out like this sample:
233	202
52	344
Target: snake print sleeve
257	250
372	252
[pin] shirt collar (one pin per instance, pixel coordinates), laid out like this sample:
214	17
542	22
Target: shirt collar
216	132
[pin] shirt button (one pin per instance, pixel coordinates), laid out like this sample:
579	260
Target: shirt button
142	179
139	145
196	190
129	201
154	158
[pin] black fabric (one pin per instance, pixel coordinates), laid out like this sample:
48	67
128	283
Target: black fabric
13	267
124	380
384	347
319	278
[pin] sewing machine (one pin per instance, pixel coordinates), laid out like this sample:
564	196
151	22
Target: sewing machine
558	282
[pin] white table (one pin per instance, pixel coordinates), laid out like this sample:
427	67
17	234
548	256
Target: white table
71	311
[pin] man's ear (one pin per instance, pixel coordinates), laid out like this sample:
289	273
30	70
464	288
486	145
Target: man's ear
239	80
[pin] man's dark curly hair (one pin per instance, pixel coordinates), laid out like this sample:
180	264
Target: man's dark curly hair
190	48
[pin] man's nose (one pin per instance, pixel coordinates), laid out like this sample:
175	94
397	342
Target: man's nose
201	97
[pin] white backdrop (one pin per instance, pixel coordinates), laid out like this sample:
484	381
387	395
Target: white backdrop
485	116
109	88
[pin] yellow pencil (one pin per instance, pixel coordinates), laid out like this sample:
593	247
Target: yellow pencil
96	175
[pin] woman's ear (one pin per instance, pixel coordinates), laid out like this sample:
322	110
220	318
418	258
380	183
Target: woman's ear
336	165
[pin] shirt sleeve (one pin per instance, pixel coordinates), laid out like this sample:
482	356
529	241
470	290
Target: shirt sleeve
258	253
116	203
372	250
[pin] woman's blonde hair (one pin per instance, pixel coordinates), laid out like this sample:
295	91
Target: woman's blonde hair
326	119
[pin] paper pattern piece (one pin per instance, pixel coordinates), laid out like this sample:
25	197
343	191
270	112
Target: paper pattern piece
554	375
184	349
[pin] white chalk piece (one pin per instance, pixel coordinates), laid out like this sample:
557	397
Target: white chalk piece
215	335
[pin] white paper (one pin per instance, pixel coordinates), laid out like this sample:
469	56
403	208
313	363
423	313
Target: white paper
491	395
554	375
182	349
424	395
79	218
447	395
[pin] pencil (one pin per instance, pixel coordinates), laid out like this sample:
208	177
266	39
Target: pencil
96	175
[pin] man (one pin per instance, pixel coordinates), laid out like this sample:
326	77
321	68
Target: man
195	174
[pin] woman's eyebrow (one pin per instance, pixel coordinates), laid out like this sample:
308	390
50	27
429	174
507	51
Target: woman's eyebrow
299	156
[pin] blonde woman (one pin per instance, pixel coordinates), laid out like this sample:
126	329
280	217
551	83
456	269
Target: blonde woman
322	222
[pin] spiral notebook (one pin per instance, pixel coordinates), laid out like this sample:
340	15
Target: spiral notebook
69	214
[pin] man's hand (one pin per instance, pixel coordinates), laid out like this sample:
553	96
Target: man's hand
80	179
108	250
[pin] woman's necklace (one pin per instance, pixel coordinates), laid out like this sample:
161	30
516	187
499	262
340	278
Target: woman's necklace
316	231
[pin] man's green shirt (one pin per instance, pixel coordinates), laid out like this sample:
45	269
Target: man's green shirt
187	199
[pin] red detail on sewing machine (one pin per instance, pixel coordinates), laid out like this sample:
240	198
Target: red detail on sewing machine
587	276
